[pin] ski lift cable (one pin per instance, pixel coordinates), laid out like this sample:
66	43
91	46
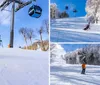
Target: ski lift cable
10	14
34	1
4	19
7	10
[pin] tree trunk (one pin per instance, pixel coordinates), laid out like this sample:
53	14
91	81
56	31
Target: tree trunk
26	43
42	42
96	10
31	43
41	36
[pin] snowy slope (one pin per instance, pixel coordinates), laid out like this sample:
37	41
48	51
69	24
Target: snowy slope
67	74
23	67
70	74
71	30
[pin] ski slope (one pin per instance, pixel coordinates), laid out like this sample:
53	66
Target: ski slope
68	74
71	30
23	67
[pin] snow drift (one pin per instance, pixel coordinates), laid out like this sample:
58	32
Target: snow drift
56	53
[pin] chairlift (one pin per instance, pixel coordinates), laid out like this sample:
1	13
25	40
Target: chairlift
35	11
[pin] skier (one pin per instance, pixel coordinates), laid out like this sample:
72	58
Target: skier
83	65
87	27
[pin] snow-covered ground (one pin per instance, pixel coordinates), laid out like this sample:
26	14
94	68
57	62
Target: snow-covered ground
23	67
68	74
71	30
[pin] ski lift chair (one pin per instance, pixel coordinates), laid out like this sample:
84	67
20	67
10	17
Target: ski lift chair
35	11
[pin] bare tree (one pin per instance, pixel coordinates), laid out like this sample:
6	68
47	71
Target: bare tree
41	31
30	35
23	31
46	24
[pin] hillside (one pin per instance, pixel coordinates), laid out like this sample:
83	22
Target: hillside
71	30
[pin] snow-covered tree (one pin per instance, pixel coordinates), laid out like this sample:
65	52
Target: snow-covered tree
54	11
90	52
93	10
56	53
72	57
64	15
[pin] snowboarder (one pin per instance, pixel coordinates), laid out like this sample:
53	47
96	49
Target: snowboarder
83	65
83	68
87	27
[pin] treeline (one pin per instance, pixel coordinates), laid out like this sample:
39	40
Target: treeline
66	14
90	52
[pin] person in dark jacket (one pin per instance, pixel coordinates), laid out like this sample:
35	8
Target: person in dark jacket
87	26
83	65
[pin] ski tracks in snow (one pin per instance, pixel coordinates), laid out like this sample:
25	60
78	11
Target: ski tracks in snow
71	30
71	75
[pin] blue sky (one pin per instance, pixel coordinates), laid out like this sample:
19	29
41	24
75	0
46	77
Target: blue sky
78	4
22	19
72	47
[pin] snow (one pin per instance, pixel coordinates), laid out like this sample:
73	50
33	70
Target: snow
71	30
93	9
67	74
70	74
23	67
58	51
